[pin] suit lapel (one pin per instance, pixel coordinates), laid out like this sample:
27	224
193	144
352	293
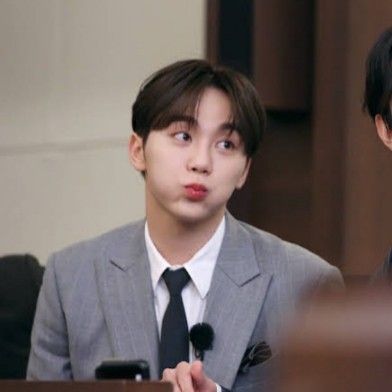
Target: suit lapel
126	294
234	302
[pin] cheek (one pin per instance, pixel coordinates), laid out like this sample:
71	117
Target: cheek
228	181
161	170
158	161
234	172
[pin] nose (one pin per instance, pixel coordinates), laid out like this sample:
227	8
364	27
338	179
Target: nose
200	159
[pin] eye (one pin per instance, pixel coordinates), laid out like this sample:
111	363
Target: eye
182	136
226	145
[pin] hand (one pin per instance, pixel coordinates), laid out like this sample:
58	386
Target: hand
189	377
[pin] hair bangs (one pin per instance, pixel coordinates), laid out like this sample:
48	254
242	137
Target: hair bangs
173	94
178	108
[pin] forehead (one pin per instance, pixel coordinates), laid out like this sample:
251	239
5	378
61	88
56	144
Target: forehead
200	104
213	104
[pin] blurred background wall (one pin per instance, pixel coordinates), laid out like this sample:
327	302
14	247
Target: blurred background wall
69	72
322	178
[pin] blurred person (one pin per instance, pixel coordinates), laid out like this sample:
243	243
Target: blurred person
340	342
378	103
135	292
20	281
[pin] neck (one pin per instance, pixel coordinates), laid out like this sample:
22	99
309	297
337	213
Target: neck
177	241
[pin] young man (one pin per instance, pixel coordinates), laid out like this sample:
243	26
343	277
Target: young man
196	128
378	103
378	88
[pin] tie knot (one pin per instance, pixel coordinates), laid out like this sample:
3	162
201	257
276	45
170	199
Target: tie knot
175	280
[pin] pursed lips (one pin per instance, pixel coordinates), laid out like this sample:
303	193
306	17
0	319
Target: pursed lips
196	191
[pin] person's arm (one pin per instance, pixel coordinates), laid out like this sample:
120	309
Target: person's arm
384	272
49	355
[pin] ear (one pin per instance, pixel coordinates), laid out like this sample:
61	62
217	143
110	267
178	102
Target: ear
384	133
244	175
136	152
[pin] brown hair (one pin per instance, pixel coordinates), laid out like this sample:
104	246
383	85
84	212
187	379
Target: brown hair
175	90
378	88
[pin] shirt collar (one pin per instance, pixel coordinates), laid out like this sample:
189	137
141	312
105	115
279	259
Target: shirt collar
200	267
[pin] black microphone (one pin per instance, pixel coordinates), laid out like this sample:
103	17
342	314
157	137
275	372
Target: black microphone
201	336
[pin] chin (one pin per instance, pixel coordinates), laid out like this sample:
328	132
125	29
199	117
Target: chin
188	219
198	217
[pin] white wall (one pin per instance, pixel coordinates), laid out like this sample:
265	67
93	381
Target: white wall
69	72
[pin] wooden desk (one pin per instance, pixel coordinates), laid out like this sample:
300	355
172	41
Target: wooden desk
84	386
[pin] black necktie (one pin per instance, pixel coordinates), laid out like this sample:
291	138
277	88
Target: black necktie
174	344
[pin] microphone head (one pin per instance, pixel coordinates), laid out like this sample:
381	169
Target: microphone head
201	336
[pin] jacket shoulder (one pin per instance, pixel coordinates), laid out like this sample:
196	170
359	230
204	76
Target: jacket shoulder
86	251
277	254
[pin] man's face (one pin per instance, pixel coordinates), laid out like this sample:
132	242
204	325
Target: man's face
193	166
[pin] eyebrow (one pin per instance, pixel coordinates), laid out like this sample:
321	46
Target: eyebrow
228	126
192	121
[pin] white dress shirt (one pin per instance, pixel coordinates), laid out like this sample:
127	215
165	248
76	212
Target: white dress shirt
200	268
